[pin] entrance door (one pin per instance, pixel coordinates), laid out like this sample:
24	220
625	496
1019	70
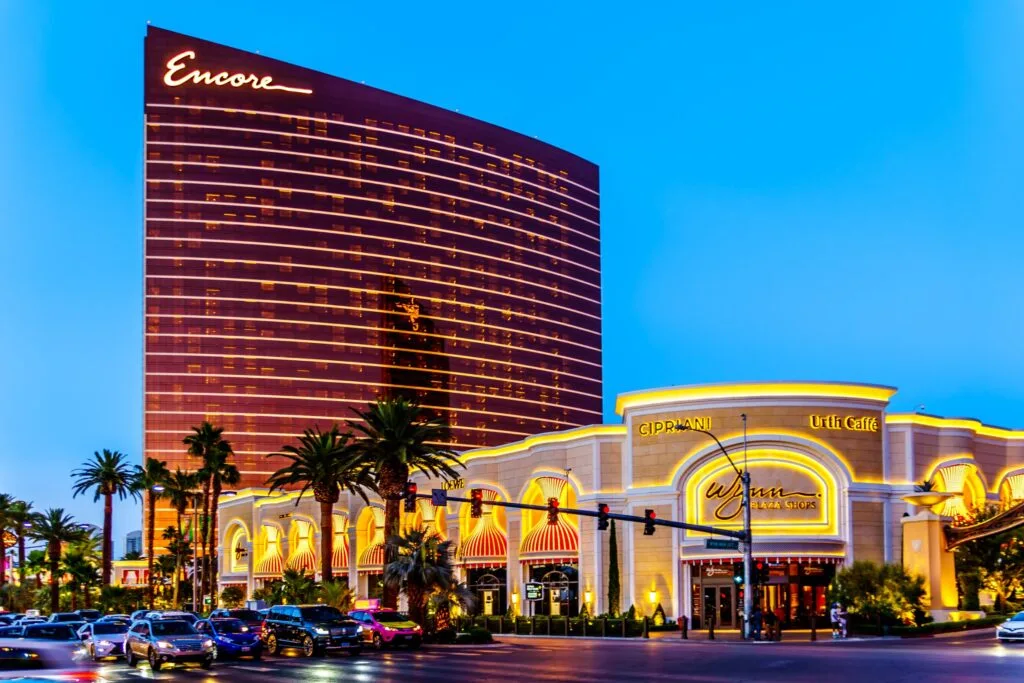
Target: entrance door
718	602
555	602
488	603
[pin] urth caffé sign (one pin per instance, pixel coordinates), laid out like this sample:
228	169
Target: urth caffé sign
789	494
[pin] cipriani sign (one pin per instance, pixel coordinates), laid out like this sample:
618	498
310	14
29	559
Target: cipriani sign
177	64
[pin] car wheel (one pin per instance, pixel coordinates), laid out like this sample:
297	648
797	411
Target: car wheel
271	644
154	661
206	663
129	657
308	647
378	642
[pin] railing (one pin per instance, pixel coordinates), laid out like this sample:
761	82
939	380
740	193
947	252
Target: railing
1006	520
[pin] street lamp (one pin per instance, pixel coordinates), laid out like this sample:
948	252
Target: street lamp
748	548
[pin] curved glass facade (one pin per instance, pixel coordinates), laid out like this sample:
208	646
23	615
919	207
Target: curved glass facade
312	244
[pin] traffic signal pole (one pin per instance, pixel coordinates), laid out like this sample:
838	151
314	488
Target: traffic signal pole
748	545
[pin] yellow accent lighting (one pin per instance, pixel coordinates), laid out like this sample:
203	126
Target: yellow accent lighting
966	424
755	390
545	439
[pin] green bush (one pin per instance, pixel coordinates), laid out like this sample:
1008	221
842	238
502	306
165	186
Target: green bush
474	636
444	637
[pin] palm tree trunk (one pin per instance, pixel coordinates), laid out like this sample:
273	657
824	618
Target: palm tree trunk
203	540
416	607
177	565
213	542
392	482
3	560
150	539
21	557
108	535
326	540
54	585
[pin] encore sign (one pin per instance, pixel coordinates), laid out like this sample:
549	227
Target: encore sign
177	64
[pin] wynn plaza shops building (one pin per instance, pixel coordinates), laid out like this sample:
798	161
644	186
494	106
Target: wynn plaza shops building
828	466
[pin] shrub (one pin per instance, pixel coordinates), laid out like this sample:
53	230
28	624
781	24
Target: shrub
474	636
885	594
232	596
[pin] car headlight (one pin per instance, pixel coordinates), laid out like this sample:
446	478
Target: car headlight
104	643
244	629
321	631
388	629
164	644
360	629
207	644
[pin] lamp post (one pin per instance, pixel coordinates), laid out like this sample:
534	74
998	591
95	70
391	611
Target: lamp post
748	550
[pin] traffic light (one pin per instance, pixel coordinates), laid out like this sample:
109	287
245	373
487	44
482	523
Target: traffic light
760	573
602	516
476	503
737	573
649	522
410	496
552	510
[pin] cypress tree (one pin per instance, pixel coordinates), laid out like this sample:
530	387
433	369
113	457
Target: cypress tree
613	573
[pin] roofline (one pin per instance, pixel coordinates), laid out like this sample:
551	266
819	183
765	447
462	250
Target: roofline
876	393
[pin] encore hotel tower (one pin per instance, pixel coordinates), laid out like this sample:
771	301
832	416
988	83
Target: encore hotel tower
312	244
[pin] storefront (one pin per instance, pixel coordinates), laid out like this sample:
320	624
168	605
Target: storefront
829	469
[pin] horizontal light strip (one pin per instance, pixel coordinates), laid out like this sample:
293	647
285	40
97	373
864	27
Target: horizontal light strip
319	417
235	436
350	327
357	363
228	182
381	183
475	359
351	216
336	306
460	392
359	162
391	132
317	399
335	269
379	238
446	302
384	257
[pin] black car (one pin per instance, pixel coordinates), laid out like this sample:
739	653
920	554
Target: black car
57	617
50	631
11	631
249	617
89	615
313	629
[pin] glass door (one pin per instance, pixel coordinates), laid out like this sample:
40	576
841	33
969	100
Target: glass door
726	607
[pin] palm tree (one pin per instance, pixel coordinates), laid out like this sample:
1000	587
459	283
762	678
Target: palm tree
219	472
36	564
337	594
179	546
398	440
321	462
423	565
151	480
297	587
180	489
55	528
81	573
20	516
106	475
166	565
444	600
6	503
207	442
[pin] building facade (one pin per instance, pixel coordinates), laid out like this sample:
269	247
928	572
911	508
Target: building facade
133	542
829	467
312	244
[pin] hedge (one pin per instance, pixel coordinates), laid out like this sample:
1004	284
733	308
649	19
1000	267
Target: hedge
562	626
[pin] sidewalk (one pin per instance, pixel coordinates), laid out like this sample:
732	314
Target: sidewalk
734	635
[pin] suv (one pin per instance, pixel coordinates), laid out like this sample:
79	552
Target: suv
250	617
314	629
164	641
387	627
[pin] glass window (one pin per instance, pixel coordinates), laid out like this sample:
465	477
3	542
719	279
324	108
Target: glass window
321	613
172	628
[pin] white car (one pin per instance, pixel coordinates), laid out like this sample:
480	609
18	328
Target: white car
1011	629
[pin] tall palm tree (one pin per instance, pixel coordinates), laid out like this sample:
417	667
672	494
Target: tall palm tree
151	480
423	565
207	441
55	528
398	439
20	515
6	503
219	471
180	490
36	564
81	573
107	475
321	462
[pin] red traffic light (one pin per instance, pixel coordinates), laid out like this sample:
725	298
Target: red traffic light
476	503
651	514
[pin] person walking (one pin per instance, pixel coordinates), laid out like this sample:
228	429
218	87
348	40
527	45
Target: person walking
755	623
770	624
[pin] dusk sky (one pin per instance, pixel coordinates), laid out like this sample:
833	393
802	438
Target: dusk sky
788	190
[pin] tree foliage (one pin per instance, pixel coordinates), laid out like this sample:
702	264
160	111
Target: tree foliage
879	592
995	562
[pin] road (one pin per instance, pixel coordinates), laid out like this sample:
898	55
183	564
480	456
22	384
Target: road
967	658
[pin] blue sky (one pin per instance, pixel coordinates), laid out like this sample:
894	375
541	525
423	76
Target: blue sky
789	190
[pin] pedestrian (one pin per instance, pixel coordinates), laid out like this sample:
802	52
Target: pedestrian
755	623
780	616
835	618
770	625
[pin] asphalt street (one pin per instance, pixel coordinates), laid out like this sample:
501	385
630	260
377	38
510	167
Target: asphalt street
974	658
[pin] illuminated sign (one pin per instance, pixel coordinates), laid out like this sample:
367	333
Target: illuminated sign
657	427
453	484
534	591
790	494
235	80
847	423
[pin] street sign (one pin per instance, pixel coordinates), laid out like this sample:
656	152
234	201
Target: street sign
534	591
721	544
438	498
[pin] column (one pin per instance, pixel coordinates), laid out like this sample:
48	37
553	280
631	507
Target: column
353	558
513	568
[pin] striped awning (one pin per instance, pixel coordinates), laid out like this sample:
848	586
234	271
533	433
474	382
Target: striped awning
371	559
303	554
486	545
339	556
550	543
271	563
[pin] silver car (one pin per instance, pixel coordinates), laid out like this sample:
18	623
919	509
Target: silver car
167	641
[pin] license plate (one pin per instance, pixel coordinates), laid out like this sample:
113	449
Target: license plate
407	637
246	649
337	632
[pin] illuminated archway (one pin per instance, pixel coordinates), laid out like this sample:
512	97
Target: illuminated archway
340	552
963	479
484	542
1011	489
302	553
268	550
237	556
370	538
546	542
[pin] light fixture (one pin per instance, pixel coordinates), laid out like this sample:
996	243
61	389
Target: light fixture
652	597
158	488
588	596
515	598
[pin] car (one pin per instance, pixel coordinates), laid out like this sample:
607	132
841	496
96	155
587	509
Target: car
65	616
384	627
119	619
140	614
313	629
232	637
41	660
172	614
11	631
252	618
7	619
167	641
89	615
25	621
115	617
1012	629
50	631
103	639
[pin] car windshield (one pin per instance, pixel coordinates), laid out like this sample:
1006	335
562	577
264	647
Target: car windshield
245	614
67	617
105	628
89	613
172	628
390	617
55	632
1019	616
230	626
323	613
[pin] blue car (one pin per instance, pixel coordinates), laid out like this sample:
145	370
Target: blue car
232	637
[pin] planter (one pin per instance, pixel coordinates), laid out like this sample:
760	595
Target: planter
927	499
